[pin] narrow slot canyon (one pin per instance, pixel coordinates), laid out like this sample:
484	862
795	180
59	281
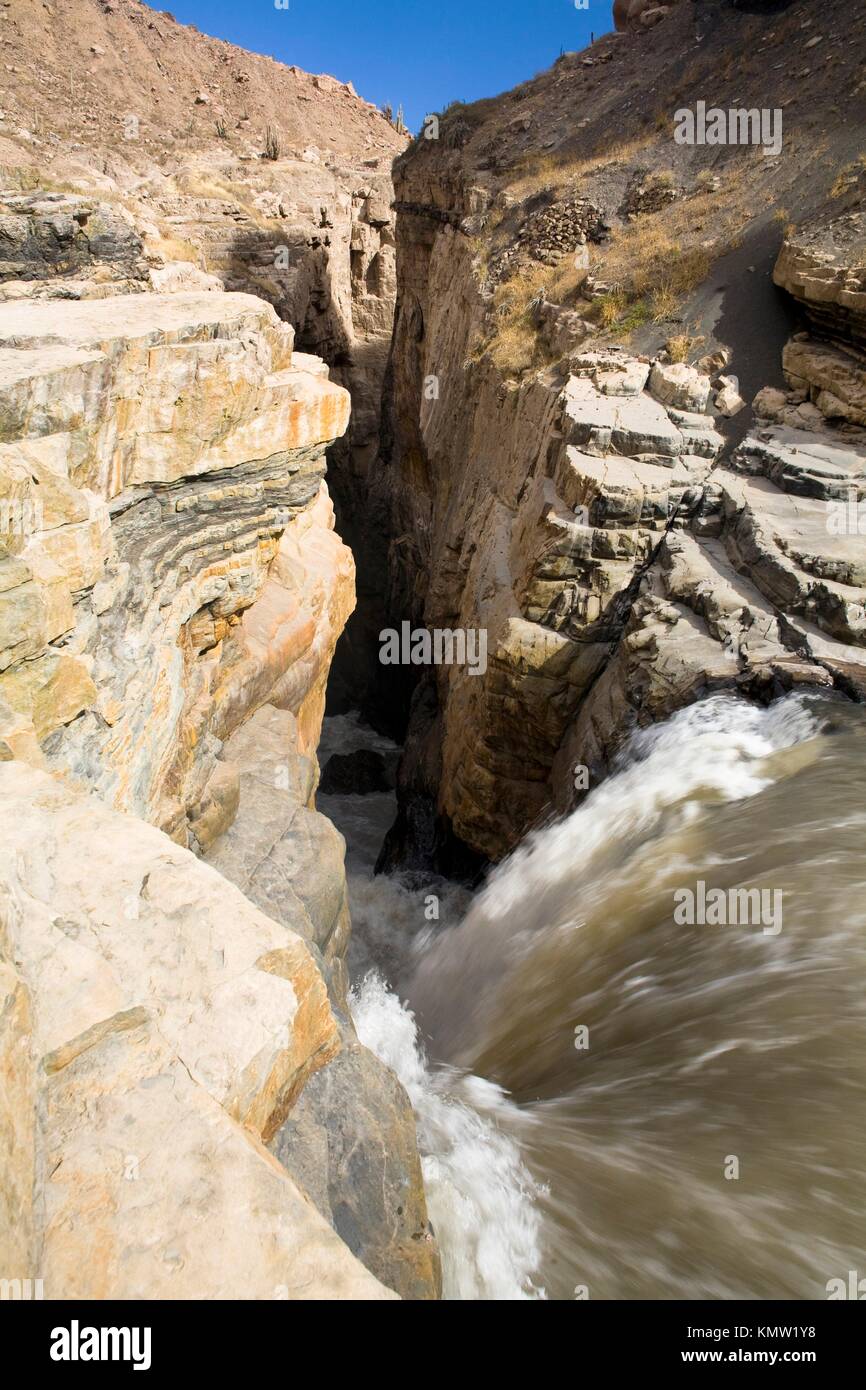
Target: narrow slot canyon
432	676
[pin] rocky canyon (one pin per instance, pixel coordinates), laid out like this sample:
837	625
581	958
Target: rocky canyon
278	378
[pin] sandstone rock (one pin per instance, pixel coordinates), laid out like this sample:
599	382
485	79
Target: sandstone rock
278	850
799	461
581	521
821	266
769	403
728	400
179	276
785	545
172	1028
835	379
176	453
712	363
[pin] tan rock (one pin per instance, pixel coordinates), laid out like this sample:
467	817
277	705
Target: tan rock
50	691
836	379
153	394
173	1026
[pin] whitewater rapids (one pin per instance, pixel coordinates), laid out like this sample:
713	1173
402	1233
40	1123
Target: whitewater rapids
706	1137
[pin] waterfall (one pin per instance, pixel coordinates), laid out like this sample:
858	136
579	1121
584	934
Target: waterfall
615	1105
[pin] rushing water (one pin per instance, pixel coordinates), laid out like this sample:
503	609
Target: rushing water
707	1137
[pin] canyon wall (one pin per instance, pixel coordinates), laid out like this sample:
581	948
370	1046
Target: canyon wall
139	153
189	1111
171	580
157	451
573	469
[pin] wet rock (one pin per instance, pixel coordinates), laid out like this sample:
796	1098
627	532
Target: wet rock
355	774
350	1144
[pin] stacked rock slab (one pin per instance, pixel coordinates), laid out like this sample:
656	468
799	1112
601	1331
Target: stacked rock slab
587	518
159	455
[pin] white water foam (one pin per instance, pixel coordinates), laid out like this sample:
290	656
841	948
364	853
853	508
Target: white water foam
480	1196
716	750
484	1204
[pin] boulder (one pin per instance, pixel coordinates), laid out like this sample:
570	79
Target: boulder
835	379
677	384
727	399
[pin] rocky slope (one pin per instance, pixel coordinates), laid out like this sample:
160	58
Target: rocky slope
585	315
172	589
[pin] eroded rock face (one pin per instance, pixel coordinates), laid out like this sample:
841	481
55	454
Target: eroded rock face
588	520
173	590
157	1029
168	543
350	1140
45	236
822	267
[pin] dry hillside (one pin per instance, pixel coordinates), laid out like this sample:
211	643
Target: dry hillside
73	73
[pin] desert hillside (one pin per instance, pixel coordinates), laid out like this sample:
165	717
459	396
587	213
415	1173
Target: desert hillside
78	74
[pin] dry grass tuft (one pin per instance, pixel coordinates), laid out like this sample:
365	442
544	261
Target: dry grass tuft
679	347
535	172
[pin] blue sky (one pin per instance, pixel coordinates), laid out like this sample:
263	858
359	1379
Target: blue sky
423	53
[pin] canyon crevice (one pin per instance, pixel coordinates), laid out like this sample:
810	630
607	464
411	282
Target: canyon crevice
272	381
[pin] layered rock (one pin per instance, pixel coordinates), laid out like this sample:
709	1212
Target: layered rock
190	164
172	592
822	266
60	238
616	519
161	455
